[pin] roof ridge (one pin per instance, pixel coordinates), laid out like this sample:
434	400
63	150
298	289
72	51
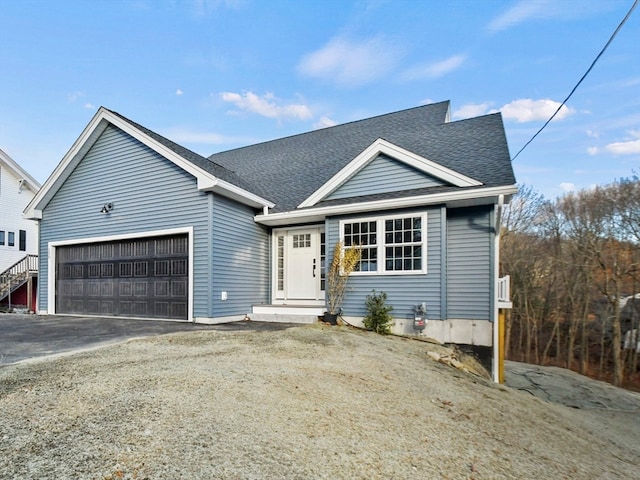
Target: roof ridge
339	125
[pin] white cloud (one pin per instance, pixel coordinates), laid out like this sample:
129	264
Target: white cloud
182	135
434	70
593	151
351	63
89	106
624	148
179	92
519	13
266	105
324	122
472	110
593	133
527	10
72	97
528	110
567	186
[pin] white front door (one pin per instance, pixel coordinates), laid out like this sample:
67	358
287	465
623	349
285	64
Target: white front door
303	265
297	266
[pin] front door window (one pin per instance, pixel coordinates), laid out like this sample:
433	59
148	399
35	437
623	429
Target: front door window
298	265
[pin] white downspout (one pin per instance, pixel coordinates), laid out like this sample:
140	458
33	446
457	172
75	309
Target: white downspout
496	273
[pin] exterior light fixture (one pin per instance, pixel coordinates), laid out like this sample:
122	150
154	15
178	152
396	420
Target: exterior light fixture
106	208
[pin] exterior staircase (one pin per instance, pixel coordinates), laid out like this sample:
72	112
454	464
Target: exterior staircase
20	273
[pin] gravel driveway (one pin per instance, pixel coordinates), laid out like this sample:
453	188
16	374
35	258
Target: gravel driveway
303	403
25	337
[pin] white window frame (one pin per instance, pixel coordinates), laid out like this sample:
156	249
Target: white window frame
380	244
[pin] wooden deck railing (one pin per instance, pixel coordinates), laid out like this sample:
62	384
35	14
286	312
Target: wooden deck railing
18	274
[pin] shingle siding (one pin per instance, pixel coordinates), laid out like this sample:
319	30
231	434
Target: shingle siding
383	175
469	253
240	252
149	193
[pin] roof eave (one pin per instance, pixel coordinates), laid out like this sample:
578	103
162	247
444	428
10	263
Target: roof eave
91	133
31	183
466	197
238	194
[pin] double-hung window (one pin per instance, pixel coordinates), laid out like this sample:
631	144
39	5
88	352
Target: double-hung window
390	245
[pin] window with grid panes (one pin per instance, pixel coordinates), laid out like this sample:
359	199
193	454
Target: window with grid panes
363	235
403	244
393	244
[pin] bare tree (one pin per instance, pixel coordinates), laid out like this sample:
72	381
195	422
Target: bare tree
571	261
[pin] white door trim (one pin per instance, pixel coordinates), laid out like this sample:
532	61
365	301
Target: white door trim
279	291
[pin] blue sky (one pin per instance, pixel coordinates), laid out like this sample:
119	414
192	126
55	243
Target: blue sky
214	75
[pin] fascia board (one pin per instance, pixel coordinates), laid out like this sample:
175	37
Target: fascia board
316	214
204	178
99	122
394	151
239	194
82	144
18	171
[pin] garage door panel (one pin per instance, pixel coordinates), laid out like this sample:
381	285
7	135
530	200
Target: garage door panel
135	278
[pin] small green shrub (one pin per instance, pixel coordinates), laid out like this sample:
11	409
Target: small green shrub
378	317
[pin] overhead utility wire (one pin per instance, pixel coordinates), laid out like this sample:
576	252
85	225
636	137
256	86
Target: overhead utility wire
624	20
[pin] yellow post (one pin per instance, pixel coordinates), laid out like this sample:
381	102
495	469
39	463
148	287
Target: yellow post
501	321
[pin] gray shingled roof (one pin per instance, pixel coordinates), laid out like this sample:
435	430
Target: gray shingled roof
289	170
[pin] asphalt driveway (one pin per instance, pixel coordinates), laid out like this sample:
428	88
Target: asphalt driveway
23	337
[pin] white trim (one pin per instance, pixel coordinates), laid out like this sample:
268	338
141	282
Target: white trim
474	195
299	303
52	246
243	196
21	174
380	245
279	297
291	309
497	211
91	133
394	151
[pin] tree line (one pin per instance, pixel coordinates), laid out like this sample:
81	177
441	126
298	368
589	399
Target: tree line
574	264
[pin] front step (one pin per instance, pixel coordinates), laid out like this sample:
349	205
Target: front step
286	313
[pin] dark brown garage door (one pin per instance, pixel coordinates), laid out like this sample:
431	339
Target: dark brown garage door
146	278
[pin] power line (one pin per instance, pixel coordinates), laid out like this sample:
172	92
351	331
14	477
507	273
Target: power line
624	20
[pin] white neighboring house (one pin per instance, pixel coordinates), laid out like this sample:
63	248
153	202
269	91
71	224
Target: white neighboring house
18	236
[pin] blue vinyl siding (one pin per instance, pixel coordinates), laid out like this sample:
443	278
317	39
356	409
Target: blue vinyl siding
404	291
240	259
149	193
382	175
469	255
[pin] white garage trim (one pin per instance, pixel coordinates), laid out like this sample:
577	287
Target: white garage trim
52	249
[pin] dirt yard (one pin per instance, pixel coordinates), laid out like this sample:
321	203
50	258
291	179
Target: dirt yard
305	403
